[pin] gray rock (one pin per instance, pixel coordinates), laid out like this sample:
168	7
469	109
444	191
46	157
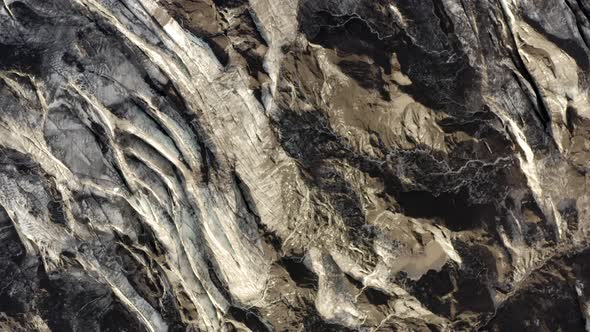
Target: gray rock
300	165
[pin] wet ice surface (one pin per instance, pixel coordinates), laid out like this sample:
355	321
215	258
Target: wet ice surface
308	165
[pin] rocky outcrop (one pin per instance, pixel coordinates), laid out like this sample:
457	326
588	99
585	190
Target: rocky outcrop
301	165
